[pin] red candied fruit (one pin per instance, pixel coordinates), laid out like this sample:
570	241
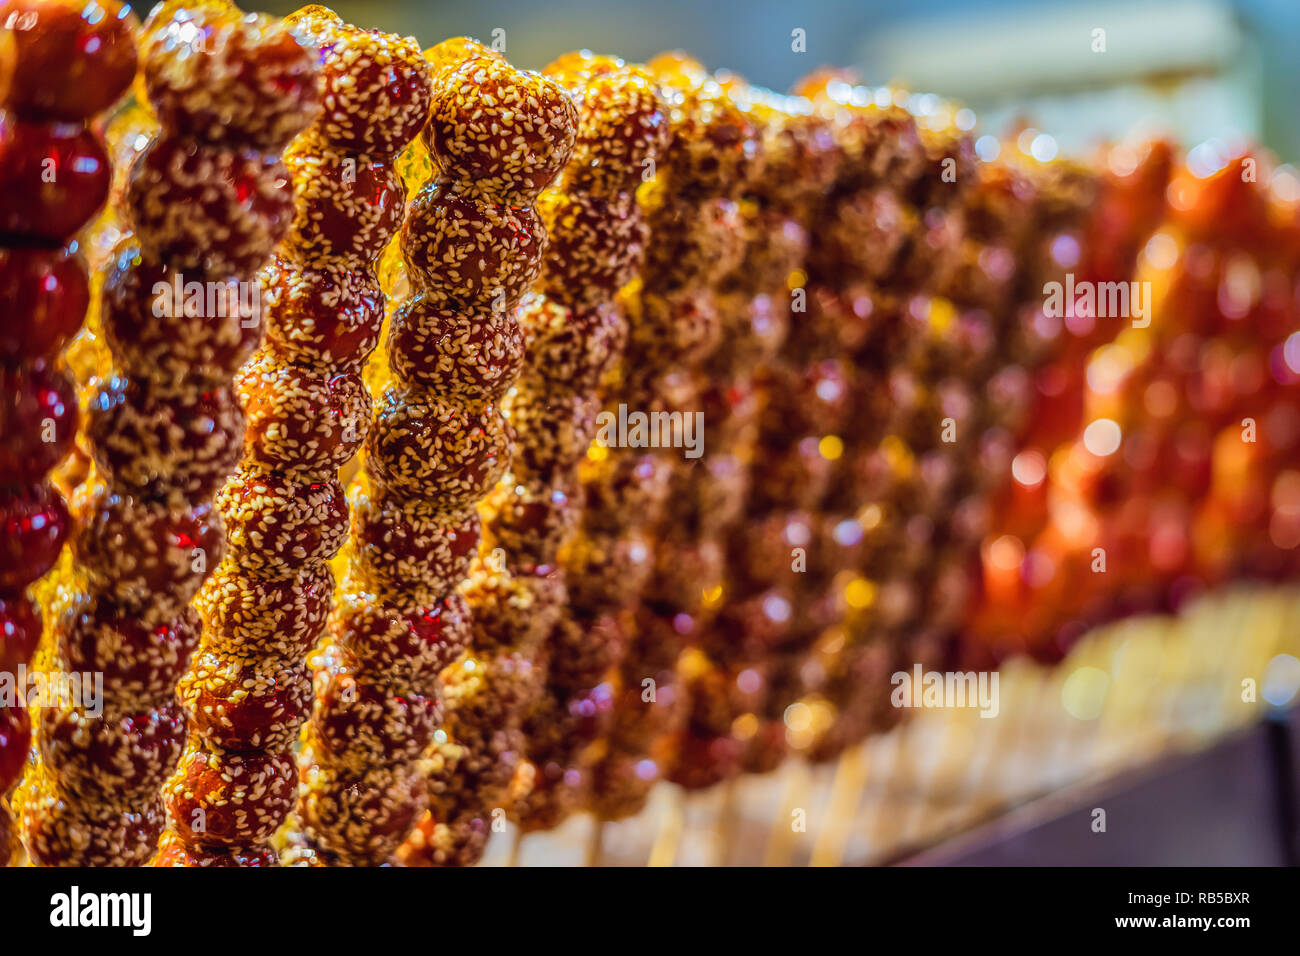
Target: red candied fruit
156	439
468	254
62	832
471	358
360	723
56	178
346	206
50	290
230	799
38	417
409	644
20	629
301	420
139	661
172	851
413	546
15	736
146	555
377	86
430	449
507	131
72	58
256	614
246	705
277	524
362	821
33	524
111	759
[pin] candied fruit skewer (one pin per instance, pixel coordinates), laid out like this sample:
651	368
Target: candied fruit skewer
892	482
163	432
694	239
725	676
63	63
473	243
248	691
574	328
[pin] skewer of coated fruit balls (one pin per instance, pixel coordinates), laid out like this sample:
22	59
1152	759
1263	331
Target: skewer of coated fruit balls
248	691
1183	472
60	65
229	91
574	329
473	243
354	810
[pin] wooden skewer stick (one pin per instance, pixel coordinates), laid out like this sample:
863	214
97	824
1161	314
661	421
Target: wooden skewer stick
671	824
516	841
841	809
780	843
596	842
728	822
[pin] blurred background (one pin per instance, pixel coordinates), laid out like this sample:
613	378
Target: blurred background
1084	71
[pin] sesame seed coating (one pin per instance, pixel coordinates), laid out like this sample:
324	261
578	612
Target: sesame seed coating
570	348
409	643
277	525
300	421
273	617
574	332
228	799
237	77
358	724
512	609
468	358
624	124
362	821
469	254
61	831
325	315
172	851
424	448
245	704
347	206
412	546
206	209
472	244
376	86
564	426
206	335
506	131
117	759
158	441
144	554
597	244
141	663
530	519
